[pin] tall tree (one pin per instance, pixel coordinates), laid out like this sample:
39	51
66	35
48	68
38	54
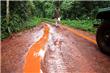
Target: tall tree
57	8
7	11
7	15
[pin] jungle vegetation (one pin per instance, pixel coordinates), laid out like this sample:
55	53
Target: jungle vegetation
20	15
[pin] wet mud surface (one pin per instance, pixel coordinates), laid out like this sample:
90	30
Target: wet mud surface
14	48
66	52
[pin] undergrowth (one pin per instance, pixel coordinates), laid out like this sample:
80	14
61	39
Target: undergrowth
17	26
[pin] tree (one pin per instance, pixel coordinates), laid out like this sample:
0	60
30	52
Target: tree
57	9
7	15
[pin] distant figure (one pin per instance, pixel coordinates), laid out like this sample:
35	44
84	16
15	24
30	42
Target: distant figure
58	21
57	16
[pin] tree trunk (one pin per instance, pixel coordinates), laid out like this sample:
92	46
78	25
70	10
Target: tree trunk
7	11
57	13
7	15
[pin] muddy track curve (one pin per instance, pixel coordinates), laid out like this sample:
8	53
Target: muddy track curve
66	52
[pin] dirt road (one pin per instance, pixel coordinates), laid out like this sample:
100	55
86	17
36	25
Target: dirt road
66	52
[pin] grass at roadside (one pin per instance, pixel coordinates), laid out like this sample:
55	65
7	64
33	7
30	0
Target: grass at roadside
32	22
47	20
85	25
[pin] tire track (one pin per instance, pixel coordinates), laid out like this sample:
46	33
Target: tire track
36	53
53	62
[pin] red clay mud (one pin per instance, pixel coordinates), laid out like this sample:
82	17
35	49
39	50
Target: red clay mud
66	52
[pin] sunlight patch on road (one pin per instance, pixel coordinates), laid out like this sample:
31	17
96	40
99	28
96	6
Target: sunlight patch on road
39	34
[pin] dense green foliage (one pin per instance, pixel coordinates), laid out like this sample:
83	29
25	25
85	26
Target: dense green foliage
33	21
26	14
86	25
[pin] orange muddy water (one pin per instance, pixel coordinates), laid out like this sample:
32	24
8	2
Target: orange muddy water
32	63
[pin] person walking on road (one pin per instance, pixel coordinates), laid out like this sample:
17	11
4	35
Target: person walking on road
57	16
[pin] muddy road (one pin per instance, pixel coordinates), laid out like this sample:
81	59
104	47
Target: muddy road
65	52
